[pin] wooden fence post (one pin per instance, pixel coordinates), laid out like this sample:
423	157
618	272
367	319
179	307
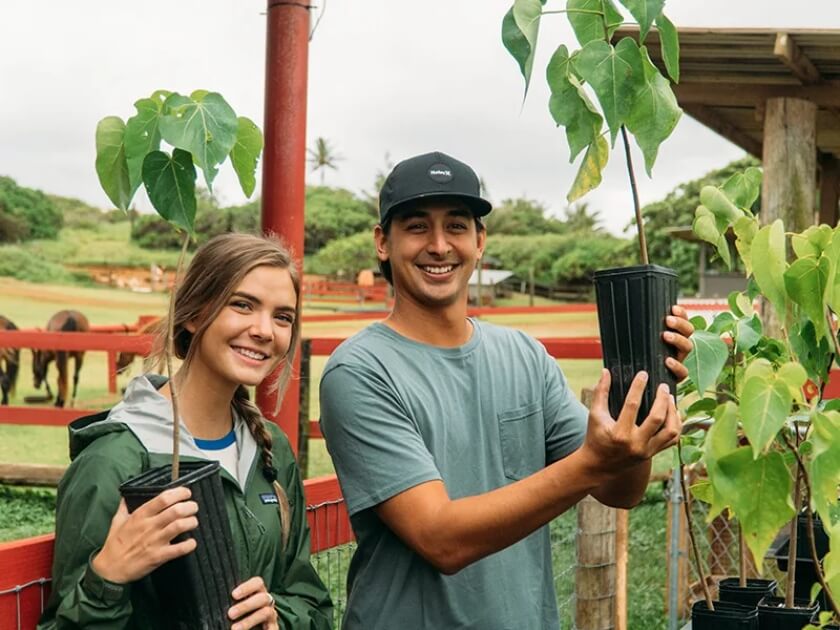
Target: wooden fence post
303	407
622	536
595	575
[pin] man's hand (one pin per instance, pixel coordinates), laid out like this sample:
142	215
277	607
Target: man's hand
679	337
617	445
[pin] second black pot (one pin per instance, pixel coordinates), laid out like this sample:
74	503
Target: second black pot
632	305
729	590
725	616
194	591
773	616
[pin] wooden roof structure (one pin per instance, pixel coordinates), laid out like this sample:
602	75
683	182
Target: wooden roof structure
728	75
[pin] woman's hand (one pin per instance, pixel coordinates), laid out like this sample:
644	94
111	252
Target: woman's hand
140	542
254	607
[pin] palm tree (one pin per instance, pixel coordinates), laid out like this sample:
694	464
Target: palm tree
322	156
580	219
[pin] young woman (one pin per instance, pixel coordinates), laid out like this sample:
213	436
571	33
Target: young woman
236	319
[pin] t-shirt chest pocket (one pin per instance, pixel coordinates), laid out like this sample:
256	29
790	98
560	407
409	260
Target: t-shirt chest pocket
522	437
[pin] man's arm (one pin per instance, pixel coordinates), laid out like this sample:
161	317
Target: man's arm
453	534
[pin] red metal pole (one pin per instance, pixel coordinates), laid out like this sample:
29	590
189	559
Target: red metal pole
284	157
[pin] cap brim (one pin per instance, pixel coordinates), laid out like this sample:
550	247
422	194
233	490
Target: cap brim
478	206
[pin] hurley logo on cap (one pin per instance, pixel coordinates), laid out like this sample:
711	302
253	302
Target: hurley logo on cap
440	173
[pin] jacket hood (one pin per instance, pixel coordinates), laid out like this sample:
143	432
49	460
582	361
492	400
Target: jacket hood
148	415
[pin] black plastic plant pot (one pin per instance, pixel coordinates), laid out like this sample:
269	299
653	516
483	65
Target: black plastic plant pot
730	590
805	573
803	542
632	305
772	614
194	590
725	616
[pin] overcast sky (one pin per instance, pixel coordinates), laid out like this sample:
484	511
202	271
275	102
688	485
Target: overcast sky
385	77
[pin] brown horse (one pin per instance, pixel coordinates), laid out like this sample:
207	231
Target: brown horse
66	321
9	364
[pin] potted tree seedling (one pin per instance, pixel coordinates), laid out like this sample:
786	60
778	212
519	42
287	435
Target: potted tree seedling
773	450
635	99
202	131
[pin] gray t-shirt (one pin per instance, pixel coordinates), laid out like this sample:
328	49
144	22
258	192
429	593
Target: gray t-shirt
396	413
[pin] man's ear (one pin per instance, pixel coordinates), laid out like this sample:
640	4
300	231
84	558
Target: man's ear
481	239
381	241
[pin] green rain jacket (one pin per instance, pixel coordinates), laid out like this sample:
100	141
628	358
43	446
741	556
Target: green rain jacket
106	451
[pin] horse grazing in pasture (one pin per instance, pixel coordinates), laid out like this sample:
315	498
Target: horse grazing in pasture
9	364
65	321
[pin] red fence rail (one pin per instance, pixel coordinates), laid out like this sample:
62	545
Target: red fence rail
26	565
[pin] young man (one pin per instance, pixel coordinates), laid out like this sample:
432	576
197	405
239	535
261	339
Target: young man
456	441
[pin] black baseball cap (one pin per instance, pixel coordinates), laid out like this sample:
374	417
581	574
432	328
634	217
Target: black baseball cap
429	176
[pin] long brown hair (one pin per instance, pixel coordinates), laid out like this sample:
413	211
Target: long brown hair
215	272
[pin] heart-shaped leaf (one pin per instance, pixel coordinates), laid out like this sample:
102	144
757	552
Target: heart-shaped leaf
569	105
520	28
111	165
670	46
170	184
743	188
593	19
764	407
245	153
806	282
768	246
645	12
141	136
706	359
589	173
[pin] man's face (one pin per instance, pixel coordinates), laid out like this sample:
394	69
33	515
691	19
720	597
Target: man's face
433	249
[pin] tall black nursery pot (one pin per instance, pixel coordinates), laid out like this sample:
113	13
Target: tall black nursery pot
730	590
194	590
632	305
725	616
772	615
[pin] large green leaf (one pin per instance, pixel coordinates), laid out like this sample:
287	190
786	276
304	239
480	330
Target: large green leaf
589	173
812	354
245	153
759	493
111	166
670	43
721	440
645	12
141	136
764	407
812	242
745	229
743	188
705	226
706	359
615	75
170	184
748	332
654	113
768	246
825	461
593	19
833	253
569	105
806	281
726	213
206	128
520	28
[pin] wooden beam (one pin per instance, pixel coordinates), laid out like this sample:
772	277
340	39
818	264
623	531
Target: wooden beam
30	474
724	127
792	56
733	94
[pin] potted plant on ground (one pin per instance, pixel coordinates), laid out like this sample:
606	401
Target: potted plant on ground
202	131
635	99
773	449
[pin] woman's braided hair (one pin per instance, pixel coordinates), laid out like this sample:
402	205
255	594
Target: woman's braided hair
216	270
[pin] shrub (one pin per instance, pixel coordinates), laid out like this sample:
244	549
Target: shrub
30	207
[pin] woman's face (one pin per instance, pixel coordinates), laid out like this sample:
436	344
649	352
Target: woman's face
251	334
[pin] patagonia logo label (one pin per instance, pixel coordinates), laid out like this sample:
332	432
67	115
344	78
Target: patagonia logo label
268	497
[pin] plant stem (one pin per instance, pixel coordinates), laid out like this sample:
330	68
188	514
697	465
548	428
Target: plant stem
695	552
170	351
814	557
742	558
640	224
790	583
